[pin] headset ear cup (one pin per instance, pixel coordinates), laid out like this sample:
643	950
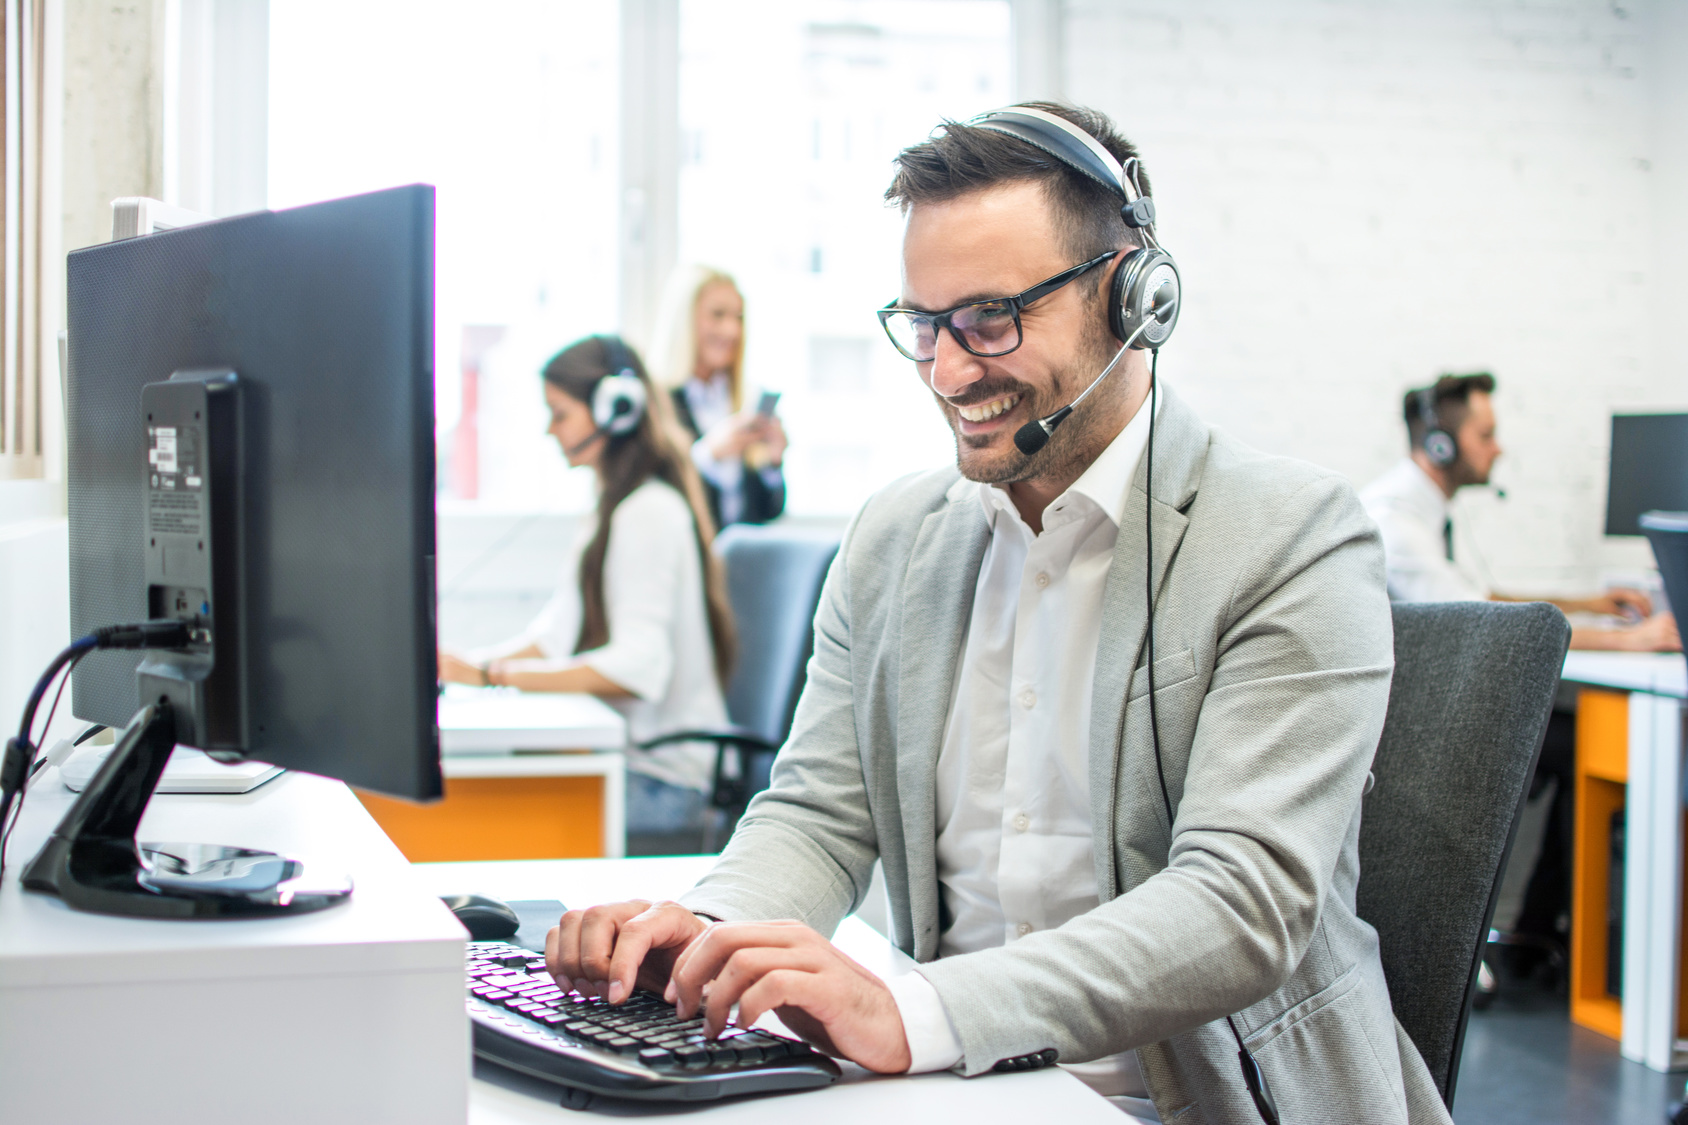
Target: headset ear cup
1144	281
1441	448
618	403
1117	297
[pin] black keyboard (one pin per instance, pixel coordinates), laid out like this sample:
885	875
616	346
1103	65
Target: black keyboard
524	1020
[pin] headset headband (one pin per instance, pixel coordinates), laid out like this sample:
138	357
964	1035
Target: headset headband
1079	151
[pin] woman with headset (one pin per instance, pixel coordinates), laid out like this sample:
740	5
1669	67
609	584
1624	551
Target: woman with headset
640	618
737	449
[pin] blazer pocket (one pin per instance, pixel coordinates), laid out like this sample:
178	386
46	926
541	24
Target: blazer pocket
1169	672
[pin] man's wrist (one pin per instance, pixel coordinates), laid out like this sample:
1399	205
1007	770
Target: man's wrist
932	1040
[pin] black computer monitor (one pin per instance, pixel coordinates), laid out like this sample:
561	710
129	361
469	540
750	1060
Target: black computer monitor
251	450
1649	469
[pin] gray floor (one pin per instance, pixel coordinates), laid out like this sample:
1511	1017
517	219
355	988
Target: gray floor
1525	1063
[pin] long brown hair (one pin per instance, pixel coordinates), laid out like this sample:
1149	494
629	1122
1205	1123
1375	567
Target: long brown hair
626	462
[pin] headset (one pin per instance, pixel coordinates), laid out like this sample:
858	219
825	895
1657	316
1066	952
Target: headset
1438	443
1143	305
618	398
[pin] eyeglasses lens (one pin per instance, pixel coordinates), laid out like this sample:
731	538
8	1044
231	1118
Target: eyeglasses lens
986	329
914	336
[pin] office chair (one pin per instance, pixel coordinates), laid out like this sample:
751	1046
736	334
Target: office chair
1473	686
774	577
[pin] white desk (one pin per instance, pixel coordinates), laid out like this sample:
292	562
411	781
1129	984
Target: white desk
501	733
1653	858
497	1098
351	1015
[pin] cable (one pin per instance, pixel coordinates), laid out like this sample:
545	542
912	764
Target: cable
19	759
1253	1079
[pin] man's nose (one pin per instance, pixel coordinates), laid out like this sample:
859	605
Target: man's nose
954	368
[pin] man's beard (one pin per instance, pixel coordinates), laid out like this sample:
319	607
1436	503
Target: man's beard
977	457
1463	473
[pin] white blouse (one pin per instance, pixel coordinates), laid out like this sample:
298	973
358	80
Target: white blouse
659	645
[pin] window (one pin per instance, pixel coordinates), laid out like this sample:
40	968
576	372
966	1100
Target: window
784	162
509	109
789	114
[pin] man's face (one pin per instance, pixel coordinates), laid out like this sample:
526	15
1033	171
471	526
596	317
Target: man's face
1478	447
995	243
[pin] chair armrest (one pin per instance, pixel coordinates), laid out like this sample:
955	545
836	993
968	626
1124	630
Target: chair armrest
741	737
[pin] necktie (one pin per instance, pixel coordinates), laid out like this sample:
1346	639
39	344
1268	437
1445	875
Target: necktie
1448	537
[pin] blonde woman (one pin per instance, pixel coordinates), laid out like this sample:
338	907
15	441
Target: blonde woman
737	449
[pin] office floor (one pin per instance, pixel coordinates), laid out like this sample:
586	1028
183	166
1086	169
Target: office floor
1525	1063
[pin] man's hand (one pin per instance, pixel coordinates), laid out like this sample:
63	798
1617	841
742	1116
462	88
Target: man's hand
788	968
1656	634
608	949
1621	602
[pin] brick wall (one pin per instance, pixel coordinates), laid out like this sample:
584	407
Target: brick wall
1363	194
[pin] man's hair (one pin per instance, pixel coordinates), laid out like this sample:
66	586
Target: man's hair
959	158
1451	398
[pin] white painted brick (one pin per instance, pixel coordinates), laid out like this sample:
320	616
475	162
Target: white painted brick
1365	193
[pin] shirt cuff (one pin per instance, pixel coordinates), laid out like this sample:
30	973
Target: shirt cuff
932	1041
724	475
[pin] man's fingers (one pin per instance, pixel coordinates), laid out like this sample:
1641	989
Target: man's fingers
703	960
653	929
744	969
562	946
781	988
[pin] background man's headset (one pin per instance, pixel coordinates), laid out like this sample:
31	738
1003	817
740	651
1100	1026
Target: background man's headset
1438	442
618	398
1142	311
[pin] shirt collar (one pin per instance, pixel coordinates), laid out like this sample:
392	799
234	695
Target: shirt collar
1105	483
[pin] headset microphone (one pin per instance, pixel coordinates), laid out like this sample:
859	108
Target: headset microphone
1034	435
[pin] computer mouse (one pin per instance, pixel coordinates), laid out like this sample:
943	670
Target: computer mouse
485	918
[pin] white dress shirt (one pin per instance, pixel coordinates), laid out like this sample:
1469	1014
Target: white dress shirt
659	647
1413	515
1014	842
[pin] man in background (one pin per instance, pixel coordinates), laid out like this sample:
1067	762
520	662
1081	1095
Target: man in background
1452	444
1451	437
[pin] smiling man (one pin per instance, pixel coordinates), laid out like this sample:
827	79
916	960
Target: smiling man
1117	836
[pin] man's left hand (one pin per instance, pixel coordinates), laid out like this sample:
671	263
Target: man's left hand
788	968
1622	602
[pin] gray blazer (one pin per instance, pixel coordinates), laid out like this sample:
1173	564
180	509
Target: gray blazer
1273	658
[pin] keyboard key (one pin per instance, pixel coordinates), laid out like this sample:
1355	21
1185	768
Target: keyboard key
624	1045
656	1055
692	1055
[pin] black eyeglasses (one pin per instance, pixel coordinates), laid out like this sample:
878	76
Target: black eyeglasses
985	328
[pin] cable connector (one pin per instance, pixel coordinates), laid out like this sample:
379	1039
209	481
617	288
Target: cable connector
167	633
14	768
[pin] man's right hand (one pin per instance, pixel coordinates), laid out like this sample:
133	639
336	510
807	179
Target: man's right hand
607	950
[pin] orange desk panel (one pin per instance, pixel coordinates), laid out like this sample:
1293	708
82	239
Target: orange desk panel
1601	771
498	818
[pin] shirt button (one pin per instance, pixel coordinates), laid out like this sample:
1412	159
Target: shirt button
1023	929
1028	699
1042	580
1021	822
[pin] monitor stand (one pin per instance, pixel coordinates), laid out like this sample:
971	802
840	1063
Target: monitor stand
93	862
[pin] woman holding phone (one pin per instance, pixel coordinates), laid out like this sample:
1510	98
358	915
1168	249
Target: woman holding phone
737	449
641	617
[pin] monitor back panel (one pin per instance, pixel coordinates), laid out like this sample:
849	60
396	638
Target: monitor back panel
326	315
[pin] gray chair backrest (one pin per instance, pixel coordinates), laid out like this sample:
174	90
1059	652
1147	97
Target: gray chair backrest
774	578
1473	687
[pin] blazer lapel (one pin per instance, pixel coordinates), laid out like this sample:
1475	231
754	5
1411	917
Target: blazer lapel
943	570
1180	452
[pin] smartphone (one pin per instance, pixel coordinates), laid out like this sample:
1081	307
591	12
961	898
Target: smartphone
766	404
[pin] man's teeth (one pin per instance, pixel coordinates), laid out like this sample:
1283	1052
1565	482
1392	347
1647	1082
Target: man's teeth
987	410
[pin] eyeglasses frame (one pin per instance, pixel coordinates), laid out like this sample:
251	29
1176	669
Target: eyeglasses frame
1015	304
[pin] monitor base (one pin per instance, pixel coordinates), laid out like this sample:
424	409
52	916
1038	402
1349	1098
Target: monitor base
93	862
